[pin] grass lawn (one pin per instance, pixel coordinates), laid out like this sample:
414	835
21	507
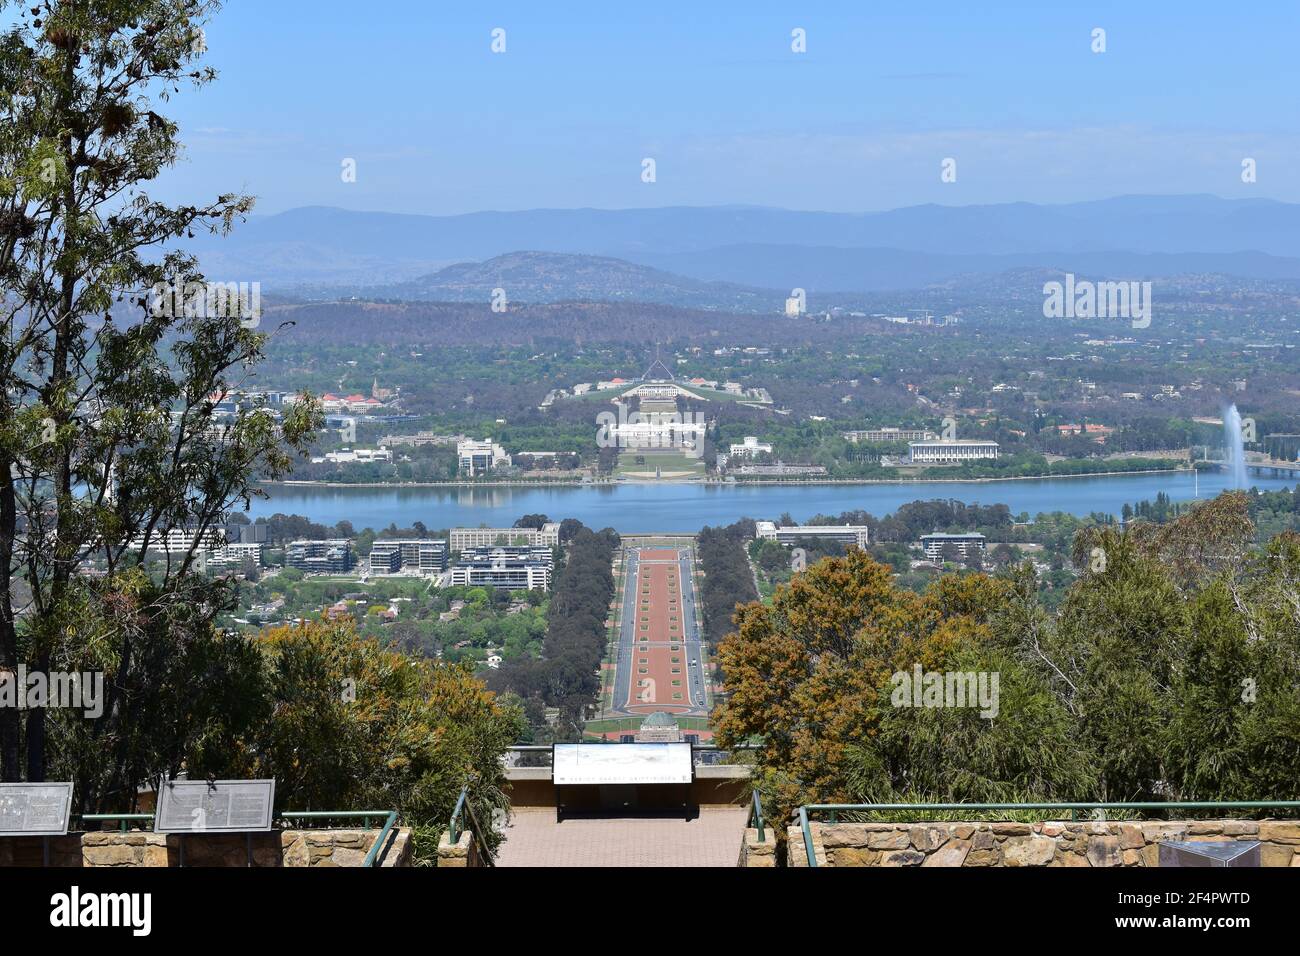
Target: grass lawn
644	463
633	724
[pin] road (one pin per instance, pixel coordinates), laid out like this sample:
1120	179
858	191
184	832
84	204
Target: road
659	614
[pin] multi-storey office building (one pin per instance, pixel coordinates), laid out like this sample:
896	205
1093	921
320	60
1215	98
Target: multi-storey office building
512	569
858	534
477	457
890	434
462	539
934	544
333	556
422	555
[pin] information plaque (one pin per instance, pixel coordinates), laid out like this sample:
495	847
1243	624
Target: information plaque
217	806
621	763
35	809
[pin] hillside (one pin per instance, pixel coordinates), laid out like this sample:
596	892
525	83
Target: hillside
556	277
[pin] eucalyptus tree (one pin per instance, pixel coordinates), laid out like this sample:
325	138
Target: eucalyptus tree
114	351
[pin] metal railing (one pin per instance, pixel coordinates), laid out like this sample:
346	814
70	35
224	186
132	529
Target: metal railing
834	809
365	816
756	817
124	818
389	817
456	828
531	755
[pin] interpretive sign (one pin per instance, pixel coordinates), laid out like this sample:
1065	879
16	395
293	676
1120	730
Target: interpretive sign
35	809
621	763
215	806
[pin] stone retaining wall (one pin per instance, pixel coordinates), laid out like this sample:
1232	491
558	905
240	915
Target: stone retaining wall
1112	843
283	848
756	854
462	853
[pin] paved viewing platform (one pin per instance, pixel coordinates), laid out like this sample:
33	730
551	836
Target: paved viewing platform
712	837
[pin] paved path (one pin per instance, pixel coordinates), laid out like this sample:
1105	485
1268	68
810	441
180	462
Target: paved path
712	839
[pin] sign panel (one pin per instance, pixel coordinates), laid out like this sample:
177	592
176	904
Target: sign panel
621	763
219	806
35	809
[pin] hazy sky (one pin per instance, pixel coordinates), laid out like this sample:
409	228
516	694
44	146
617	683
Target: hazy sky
438	123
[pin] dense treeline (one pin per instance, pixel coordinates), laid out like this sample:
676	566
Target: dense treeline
566	676
728	580
1168	673
562	323
1271	511
916	518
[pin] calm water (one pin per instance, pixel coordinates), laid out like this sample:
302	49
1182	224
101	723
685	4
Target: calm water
632	508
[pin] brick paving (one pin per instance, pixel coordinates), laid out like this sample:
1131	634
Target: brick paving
712	838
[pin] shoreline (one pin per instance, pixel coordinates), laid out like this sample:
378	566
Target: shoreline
568	483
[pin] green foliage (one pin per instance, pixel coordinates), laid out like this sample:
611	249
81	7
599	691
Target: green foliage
353	725
565	675
108	438
1170	672
728	579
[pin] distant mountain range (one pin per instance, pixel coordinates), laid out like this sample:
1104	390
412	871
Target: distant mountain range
739	257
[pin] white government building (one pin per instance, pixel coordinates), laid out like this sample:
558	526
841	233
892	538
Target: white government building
751	446
848	533
934	543
943	452
477	457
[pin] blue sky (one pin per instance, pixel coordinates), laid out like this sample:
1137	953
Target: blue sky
439	124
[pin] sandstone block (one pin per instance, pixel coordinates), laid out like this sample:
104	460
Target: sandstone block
1028	851
952	853
1103	851
1281	831
902	858
894	840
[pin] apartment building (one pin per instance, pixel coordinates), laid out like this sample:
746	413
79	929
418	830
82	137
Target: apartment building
509	568
333	556
462	539
408	555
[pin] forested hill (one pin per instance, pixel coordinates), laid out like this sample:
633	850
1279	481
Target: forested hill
557	277
462	323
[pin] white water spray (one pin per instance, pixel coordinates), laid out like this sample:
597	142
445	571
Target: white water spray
1234	450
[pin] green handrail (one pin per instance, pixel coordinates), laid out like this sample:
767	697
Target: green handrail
388	816
835	808
756	815
455	830
454	834
807	836
125	818
373	855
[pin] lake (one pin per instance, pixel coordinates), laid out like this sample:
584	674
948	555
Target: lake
687	507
